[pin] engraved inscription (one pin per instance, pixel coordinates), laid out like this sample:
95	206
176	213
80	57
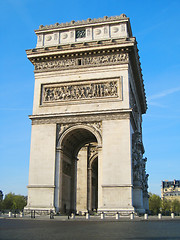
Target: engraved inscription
79	91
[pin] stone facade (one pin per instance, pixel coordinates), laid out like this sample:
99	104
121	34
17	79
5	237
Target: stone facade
89	97
170	190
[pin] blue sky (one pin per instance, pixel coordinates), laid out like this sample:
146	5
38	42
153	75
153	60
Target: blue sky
154	23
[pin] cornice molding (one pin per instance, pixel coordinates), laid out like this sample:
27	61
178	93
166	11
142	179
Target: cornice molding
80	47
83	117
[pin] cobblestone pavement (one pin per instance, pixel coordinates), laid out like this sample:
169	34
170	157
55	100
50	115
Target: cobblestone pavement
42	228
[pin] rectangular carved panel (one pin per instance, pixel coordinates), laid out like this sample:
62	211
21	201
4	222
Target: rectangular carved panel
97	89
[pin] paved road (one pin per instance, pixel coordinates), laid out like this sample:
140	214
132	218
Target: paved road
11	229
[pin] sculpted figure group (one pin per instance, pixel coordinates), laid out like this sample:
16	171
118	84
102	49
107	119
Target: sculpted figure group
76	92
139	163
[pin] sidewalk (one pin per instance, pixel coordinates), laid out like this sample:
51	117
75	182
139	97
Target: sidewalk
92	218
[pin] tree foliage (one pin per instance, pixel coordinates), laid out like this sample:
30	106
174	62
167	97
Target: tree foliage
165	206
154	203
175	206
13	202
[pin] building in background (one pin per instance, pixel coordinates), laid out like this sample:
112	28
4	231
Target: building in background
170	190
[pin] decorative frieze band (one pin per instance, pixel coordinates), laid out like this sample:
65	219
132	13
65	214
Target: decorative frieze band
84	61
58	92
114	58
76	119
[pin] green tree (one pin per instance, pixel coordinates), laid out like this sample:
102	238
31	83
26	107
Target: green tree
166	206
14	202
175	206
19	202
8	201
154	203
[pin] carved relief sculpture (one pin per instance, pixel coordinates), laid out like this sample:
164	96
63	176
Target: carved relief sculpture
86	61
137	157
79	91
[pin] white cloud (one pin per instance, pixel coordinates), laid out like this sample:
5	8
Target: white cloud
156	104
164	93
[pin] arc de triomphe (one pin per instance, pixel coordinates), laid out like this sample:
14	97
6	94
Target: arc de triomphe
89	97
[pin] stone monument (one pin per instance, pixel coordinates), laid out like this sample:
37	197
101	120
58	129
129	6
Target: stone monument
86	143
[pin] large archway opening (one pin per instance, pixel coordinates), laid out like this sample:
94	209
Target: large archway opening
79	171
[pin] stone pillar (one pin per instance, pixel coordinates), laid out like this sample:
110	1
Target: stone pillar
57	181
81	194
42	168
115	171
73	184
138	197
99	177
146	201
89	189
60	174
